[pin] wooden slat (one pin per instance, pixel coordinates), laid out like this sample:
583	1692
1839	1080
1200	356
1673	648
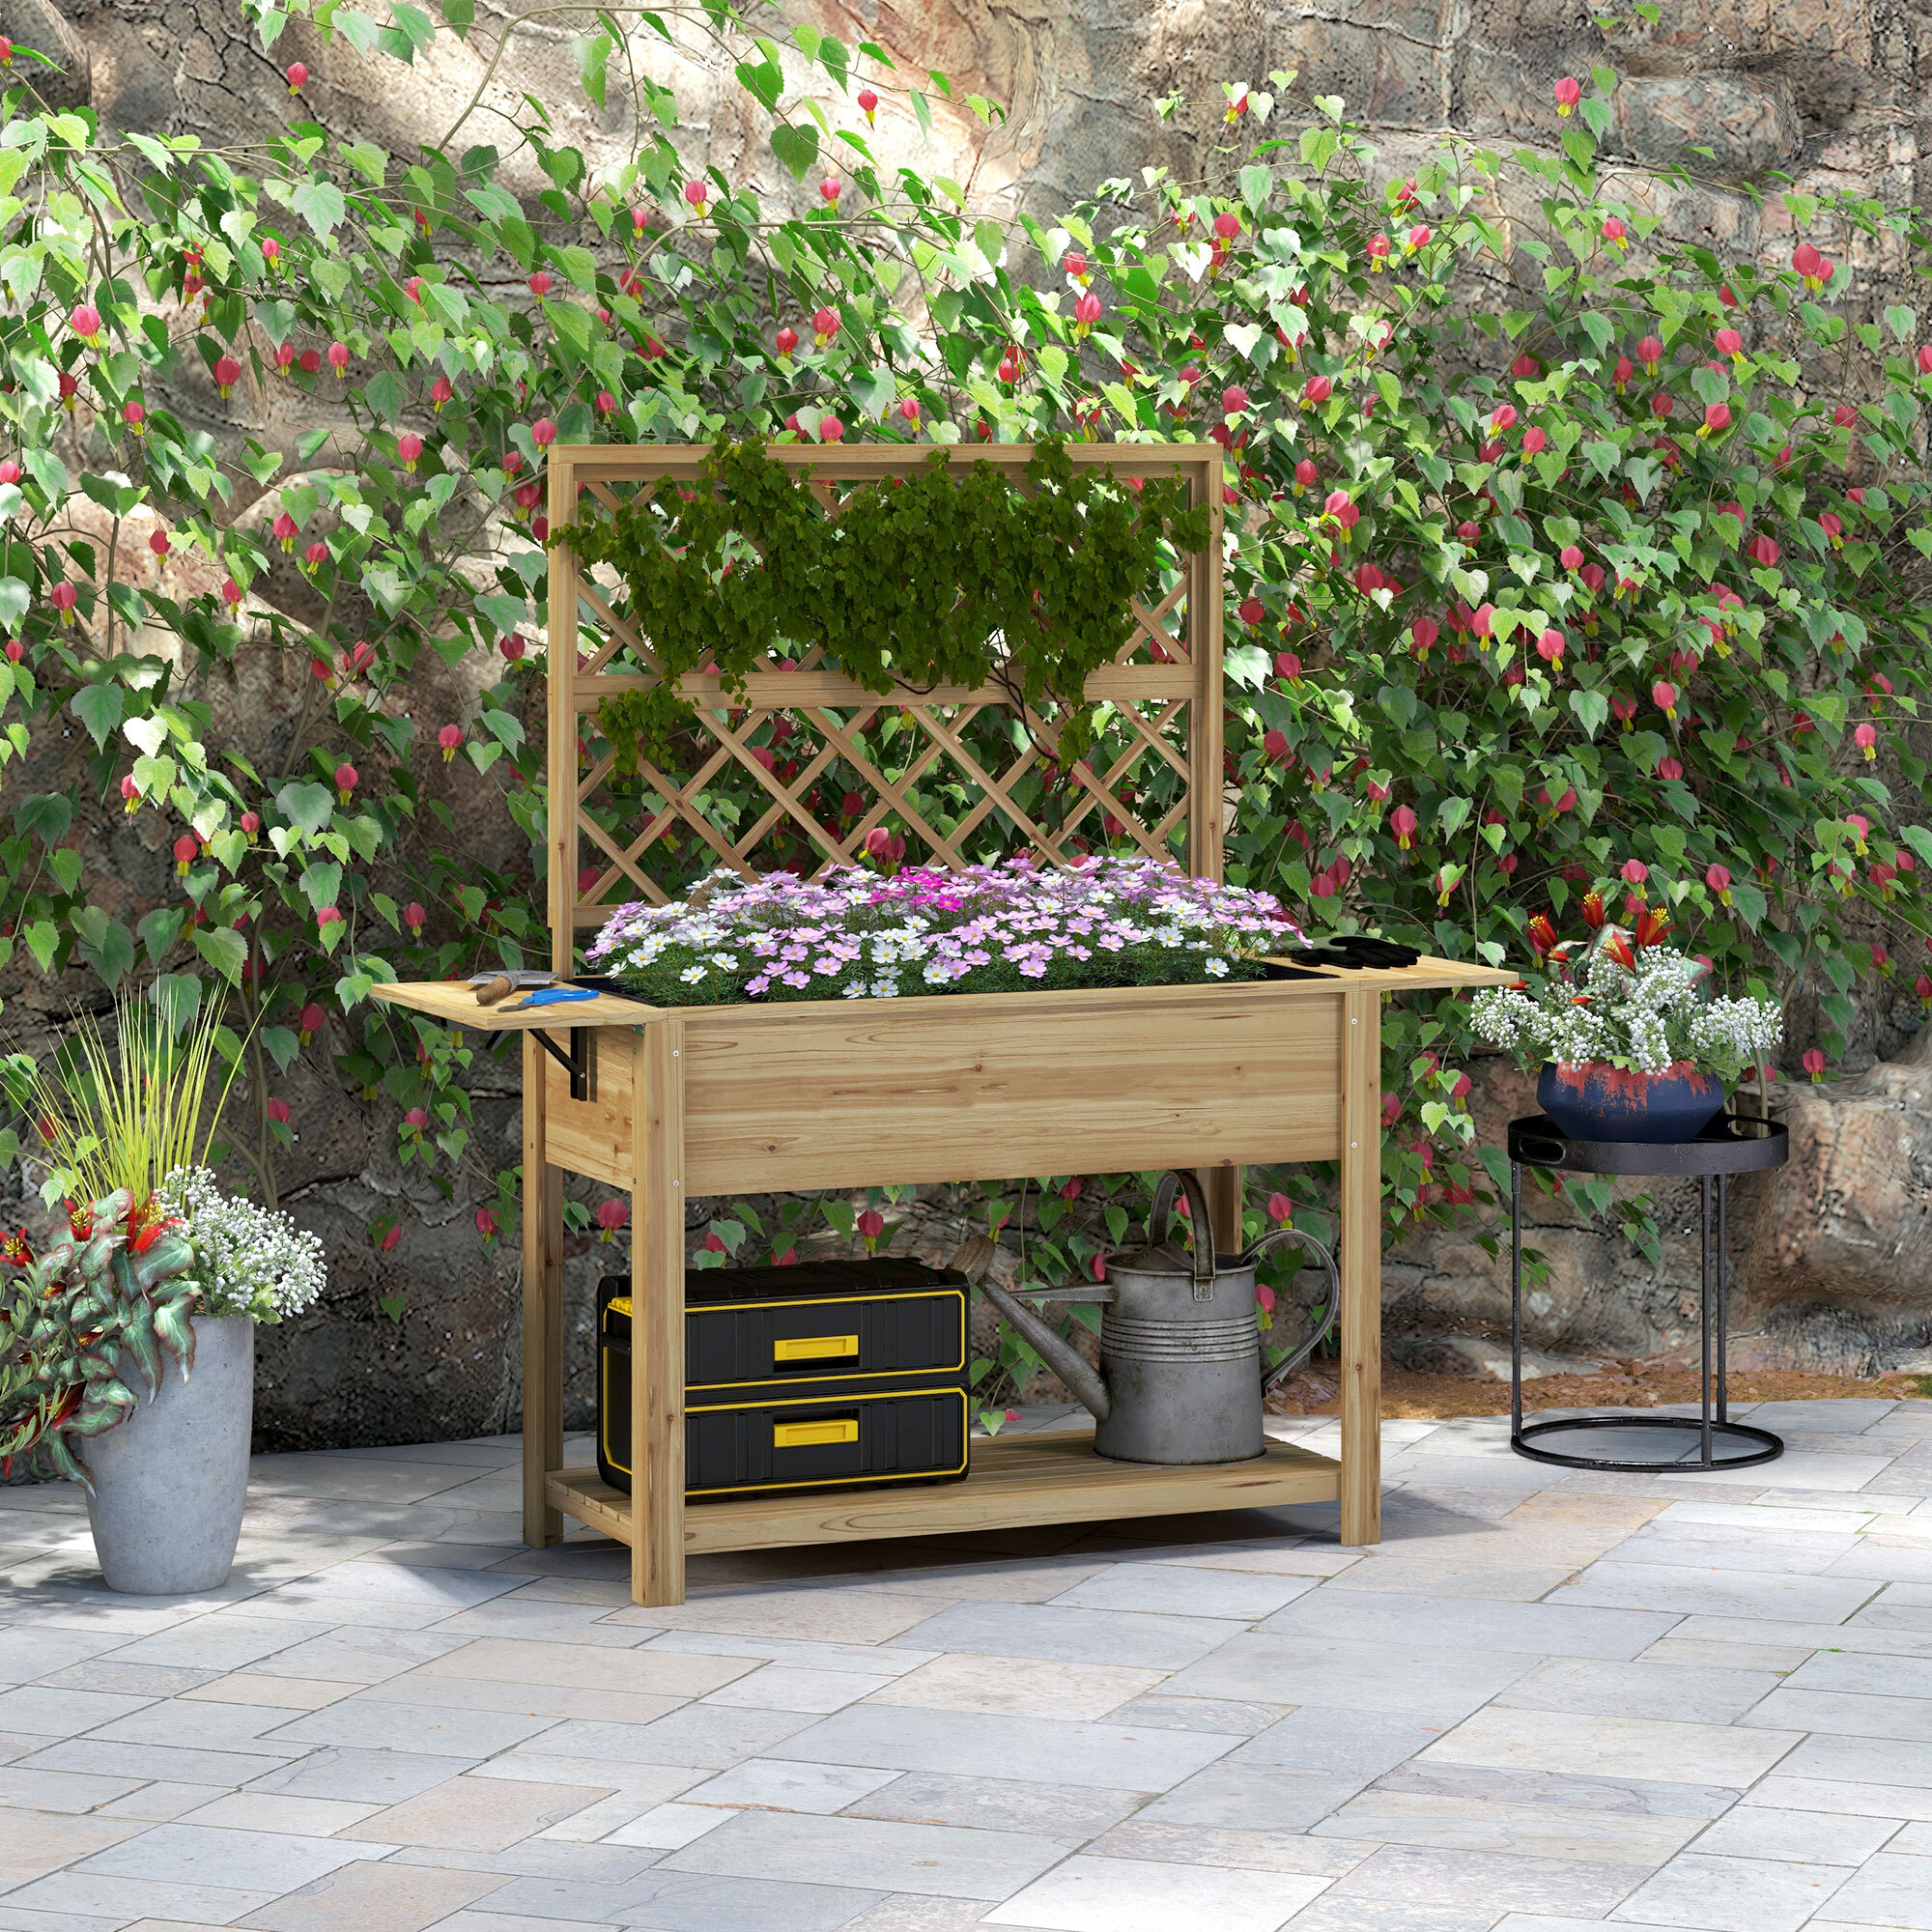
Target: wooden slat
1202	570
786	801
680	808
657	1321
780	691
1360	1333
619	633
1096	794
893	791
1223	1187
620	861
1150	626
543	1309
1015	1481
584	1494
854	1092
622	462
561	675
594	1136
995	795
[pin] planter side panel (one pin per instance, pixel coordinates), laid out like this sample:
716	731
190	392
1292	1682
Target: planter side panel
593	1136
966	1089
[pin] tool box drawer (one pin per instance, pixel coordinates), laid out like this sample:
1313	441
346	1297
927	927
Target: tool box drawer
915	1436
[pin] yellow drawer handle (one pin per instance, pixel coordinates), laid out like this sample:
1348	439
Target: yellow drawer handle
804	1434
618	1304
814	1348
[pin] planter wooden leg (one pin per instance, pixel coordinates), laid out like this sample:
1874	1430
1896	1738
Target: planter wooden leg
657	1319
543	1309
1361	1264
1223	1187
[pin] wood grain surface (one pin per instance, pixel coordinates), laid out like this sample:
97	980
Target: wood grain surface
453	1004
1014	1480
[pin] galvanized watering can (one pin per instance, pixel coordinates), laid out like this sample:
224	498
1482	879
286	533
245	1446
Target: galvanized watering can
1181	1374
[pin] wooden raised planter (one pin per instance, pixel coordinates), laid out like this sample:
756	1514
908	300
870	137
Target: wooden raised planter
724	1100
676	1103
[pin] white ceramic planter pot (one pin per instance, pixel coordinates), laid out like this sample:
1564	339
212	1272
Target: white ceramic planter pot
171	1481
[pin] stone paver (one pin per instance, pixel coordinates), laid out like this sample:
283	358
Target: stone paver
1547	1701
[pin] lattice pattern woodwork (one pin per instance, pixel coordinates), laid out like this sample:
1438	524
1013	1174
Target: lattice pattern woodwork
802	769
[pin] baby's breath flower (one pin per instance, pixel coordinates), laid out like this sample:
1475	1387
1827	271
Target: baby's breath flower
246	1260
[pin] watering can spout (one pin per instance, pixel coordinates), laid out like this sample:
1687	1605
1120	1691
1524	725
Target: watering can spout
1089	1390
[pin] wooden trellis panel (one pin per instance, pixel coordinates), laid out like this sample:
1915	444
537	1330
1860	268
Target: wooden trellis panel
1154	786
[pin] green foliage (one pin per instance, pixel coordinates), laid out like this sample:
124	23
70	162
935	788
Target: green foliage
1403	756
928	580
82	1330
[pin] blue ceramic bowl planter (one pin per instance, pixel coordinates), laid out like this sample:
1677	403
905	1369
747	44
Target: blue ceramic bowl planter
1596	1101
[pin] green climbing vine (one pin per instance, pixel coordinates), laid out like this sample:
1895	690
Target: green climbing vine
936	577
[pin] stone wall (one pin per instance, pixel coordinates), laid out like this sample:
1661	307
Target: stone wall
1832	1256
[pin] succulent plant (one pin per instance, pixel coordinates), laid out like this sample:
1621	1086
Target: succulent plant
82	1327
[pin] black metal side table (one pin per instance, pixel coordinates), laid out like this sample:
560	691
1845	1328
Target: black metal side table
1732	1144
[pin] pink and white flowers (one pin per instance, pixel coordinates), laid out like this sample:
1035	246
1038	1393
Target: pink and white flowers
988	928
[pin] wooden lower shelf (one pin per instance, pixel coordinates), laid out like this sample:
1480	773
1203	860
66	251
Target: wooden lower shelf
1016	1480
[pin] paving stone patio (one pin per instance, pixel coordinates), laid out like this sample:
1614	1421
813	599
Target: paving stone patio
1548	1700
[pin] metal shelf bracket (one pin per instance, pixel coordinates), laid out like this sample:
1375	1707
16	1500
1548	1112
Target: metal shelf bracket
576	1062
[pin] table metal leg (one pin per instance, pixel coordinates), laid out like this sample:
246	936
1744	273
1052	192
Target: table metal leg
1704	1313
1723	1322
1516	1300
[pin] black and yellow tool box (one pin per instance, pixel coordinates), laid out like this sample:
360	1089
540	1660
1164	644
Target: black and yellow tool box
819	1375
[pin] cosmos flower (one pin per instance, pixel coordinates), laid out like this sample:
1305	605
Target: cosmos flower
855	934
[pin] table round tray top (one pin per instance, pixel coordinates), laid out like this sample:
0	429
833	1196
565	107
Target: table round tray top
1732	1144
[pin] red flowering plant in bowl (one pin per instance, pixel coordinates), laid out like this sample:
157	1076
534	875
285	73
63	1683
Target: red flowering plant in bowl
1630	1042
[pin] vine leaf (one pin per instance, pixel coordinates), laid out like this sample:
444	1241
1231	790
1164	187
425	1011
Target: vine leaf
306	805
321	205
797	149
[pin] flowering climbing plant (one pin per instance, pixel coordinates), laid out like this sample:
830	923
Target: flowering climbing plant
854	934
1563	549
1623	998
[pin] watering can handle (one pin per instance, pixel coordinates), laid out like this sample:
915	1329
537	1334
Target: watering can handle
1161	1214
1331	1301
